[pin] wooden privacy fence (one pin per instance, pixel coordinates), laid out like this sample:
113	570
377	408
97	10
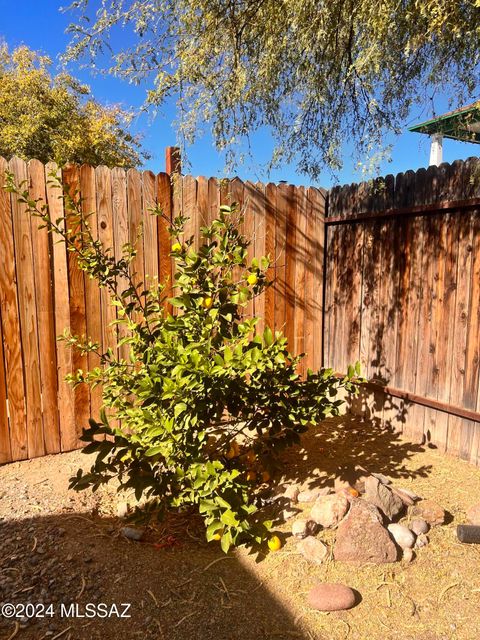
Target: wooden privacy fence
42	291
395	263
403	297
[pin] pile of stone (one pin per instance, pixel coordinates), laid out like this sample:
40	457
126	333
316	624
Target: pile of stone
366	519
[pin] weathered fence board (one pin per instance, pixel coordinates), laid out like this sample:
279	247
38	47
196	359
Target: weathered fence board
419	318
12	341
25	276
41	245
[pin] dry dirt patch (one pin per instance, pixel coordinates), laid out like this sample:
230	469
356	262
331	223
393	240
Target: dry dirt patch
58	546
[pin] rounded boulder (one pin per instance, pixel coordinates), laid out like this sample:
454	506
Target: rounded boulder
329	510
402	535
331	597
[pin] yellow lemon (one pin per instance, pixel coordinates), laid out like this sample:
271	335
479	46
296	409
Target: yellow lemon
266	476
176	247
233	451
252	279
251	476
207	302
274	544
217	536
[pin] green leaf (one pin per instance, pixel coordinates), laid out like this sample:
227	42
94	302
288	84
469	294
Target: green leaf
226	541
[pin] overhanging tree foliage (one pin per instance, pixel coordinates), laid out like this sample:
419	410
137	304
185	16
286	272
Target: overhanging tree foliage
317	73
56	118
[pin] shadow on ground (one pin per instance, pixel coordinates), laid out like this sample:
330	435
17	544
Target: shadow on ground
345	448
186	592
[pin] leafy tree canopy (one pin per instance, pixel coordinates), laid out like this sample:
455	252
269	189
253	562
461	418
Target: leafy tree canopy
318	73
56	118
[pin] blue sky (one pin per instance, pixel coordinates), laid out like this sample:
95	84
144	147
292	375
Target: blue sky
40	25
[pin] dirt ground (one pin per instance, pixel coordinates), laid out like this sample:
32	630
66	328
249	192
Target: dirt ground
58	546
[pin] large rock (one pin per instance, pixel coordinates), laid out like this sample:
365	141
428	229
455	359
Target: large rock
382	497
361	536
429	511
402	535
473	515
313	550
331	597
329	510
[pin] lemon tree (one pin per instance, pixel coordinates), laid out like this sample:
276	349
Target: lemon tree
198	413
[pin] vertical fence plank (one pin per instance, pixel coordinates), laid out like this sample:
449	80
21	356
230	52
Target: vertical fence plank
135	223
259	225
78	324
472	372
202	200
310	294
391	274
10	318
249	231
290	265
61	288
299	278
444	321
189	207
164	198
270	226
456	424
103	189
28	314
41	245
5	448
150	228
93	298
317	198
121	238
280	256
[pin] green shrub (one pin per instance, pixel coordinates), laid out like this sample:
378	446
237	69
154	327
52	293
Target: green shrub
201	408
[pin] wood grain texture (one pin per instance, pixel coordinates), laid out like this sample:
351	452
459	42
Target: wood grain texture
103	191
61	292
12	340
93	298
164	199
150	228
78	321
135	224
318	198
121	238
5	448
270	225
25	274
41	245
281	257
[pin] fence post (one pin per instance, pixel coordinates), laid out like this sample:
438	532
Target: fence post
173	160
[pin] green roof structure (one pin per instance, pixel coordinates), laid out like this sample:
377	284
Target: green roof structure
462	124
